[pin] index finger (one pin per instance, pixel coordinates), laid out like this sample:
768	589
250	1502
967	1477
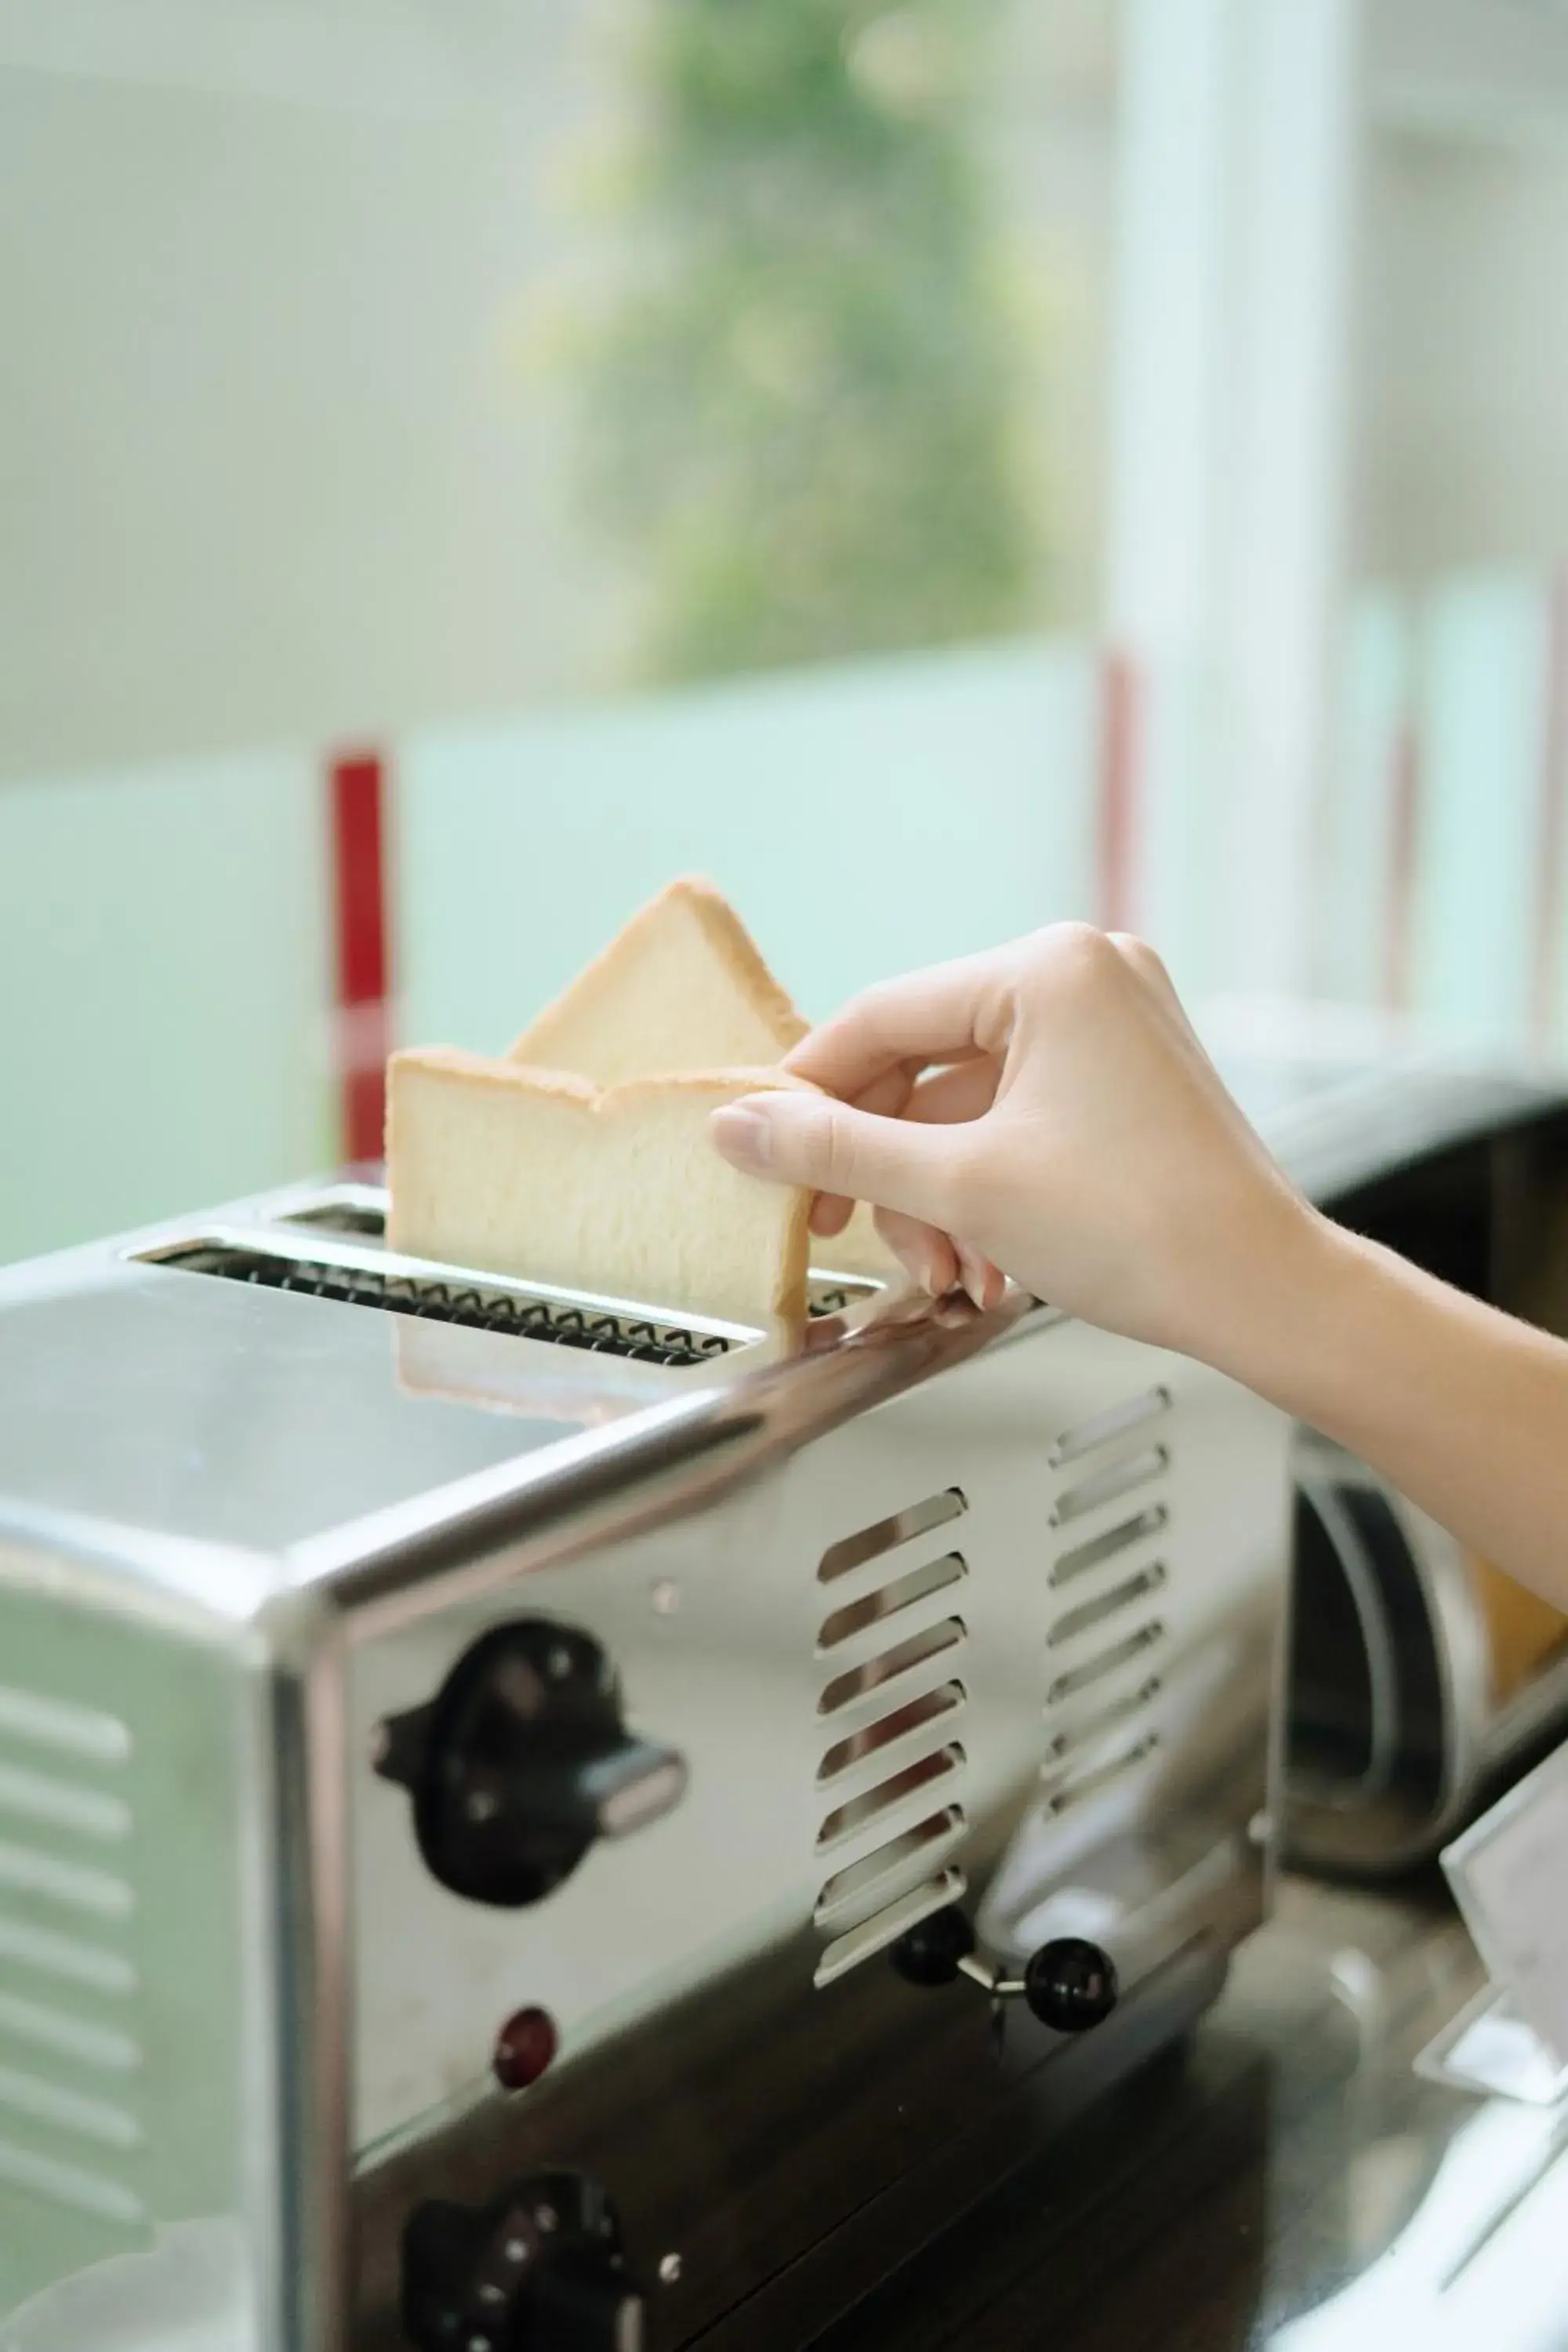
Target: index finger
950	1013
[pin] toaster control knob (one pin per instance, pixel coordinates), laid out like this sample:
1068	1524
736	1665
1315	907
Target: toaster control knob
522	1761
1070	1985
541	2270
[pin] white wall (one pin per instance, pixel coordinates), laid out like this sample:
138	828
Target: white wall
1463	397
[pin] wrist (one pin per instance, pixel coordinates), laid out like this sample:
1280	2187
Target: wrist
1293	1309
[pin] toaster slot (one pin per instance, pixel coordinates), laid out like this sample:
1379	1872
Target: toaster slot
359	1212
447	1297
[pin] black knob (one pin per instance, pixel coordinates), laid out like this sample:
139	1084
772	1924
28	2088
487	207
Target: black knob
1070	1985
522	1761
541	2270
931	1952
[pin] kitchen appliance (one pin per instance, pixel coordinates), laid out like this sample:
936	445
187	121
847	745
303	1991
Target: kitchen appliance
1421	1679
531	1820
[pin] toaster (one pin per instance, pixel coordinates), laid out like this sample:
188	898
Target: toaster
1422	1680
534	1823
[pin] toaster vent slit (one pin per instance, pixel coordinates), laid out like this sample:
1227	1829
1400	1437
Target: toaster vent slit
1088	1436
1107	1662
83	1733
891	1601
1074	1736
37	1796
849	1820
1106	1604
71	2185
73	2113
104	2048
472	1306
874	1935
904	1721
862	1888
1088	1783
886	1535
904	1659
71	2033
896	1754
92	1966
77	1887
1106	1485
1081	1558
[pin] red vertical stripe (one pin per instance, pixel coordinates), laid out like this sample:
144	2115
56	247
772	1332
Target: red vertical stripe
1398	976
1552	831
359	834
1117	826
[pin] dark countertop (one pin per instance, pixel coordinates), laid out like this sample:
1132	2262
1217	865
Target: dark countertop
1285	2180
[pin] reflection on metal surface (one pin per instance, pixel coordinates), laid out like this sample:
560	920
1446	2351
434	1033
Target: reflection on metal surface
1480	2261
1404	1708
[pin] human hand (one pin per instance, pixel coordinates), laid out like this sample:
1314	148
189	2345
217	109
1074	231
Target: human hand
1043	1111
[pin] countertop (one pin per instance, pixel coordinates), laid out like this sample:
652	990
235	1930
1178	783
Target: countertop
1283	2180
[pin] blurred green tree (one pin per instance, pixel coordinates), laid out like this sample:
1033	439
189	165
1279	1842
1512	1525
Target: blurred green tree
808	407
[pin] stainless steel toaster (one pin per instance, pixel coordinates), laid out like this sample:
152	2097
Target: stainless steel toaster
533	1823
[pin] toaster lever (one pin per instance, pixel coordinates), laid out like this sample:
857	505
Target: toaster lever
1068	1984
522	1762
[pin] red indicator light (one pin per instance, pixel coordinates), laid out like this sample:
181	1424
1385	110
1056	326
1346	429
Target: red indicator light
524	2048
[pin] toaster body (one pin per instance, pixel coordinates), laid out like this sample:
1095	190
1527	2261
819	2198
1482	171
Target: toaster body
526	1822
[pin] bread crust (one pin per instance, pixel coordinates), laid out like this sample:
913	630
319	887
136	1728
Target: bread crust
565	1086
730	940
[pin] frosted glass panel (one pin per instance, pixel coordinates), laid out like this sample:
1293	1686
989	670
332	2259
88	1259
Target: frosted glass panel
865	819
1486	701
162	992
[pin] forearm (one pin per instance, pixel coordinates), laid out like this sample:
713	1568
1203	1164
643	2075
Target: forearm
1463	1408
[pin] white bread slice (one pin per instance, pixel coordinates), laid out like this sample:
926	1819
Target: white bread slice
538	1173
683	987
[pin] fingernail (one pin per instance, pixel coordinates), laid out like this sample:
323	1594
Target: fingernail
745	1139
973	1276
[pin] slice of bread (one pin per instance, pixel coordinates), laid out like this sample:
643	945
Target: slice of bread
682	987
507	1170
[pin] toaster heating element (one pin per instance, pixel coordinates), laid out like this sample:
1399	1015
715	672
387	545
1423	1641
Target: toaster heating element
539	1824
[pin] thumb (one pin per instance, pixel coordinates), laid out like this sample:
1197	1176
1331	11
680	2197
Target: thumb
825	1146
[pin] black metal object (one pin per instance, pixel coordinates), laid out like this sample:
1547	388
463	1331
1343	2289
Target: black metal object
934	1950
540	2270
1070	1985
522	1762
